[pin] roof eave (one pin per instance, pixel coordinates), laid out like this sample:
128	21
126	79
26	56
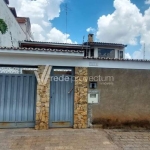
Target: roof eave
51	44
105	44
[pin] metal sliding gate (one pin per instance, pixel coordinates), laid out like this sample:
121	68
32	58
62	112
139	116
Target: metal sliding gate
17	100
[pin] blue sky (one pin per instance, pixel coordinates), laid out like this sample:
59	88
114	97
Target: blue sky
84	14
117	21
81	15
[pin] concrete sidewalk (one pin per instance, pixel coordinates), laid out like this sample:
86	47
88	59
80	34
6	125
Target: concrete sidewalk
54	139
73	139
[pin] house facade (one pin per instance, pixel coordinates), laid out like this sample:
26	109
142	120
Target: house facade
70	88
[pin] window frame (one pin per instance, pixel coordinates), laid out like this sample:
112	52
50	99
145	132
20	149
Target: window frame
119	54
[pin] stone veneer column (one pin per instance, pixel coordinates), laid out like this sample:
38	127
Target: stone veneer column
42	104
80	98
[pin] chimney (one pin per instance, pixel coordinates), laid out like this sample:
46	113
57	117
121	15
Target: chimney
90	38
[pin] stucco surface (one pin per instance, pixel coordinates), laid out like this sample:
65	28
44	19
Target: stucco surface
126	100
14	33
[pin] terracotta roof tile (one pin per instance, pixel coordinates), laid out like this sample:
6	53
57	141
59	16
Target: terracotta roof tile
104	44
116	59
41	49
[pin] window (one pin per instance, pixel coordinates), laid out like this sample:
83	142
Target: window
89	53
86	53
110	53
120	54
92	53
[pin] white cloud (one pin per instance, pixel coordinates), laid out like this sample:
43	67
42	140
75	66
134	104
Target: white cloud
37	31
122	26
90	29
138	54
39	12
53	8
46	23
28	8
125	25
127	56
58	36
147	2
38	8
145	36
36	28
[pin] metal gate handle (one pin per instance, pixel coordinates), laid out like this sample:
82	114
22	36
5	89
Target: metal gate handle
70	91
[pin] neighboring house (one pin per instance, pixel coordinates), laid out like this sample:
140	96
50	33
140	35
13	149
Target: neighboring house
18	28
24	23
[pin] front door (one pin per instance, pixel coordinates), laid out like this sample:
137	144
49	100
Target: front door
61	97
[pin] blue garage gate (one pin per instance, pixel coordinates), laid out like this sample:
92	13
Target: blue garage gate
17	100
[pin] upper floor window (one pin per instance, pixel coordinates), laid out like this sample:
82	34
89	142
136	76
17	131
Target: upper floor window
110	53
92	52
89	53
86	53
120	54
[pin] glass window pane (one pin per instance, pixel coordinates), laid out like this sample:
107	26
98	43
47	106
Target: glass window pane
106	53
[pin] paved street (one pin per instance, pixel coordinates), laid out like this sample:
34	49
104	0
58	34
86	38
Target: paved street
130	140
70	139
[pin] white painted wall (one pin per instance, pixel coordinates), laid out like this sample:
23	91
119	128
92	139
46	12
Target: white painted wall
116	53
26	30
96	52
14	30
32	58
